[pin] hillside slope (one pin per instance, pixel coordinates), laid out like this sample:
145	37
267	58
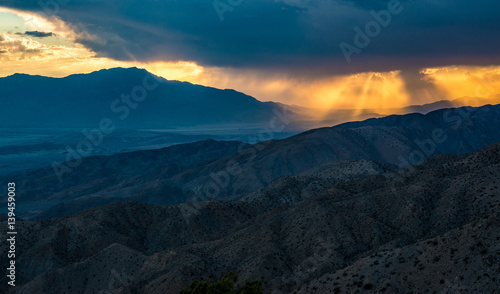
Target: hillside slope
417	229
241	169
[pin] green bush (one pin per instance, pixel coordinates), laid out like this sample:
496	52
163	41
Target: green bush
226	285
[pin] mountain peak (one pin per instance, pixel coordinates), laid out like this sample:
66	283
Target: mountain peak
114	71
82	99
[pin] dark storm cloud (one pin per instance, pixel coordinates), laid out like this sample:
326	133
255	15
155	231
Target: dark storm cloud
38	34
294	35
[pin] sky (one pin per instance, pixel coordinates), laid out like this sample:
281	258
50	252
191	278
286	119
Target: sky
314	53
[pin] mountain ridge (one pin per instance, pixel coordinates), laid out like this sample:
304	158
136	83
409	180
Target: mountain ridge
298	233
397	140
102	89
131	98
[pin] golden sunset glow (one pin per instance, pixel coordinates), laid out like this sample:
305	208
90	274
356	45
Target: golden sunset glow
360	91
180	70
466	81
60	55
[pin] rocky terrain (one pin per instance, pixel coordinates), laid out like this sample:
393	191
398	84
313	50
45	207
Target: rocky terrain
342	227
199	171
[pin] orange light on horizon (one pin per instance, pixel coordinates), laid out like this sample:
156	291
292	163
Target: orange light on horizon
467	81
61	56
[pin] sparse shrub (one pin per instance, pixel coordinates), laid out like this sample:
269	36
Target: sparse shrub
226	285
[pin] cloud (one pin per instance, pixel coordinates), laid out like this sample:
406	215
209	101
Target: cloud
20	45
24	55
39	34
422	87
14	49
296	36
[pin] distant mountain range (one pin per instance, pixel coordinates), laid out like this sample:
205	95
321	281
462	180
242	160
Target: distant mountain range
130	98
309	118
357	207
343	227
229	170
135	99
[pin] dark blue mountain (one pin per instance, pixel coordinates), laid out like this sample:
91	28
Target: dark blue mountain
83	100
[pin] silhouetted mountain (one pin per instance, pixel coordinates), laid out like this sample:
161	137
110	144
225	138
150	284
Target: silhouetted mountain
429	107
128	97
398	140
340	228
338	116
